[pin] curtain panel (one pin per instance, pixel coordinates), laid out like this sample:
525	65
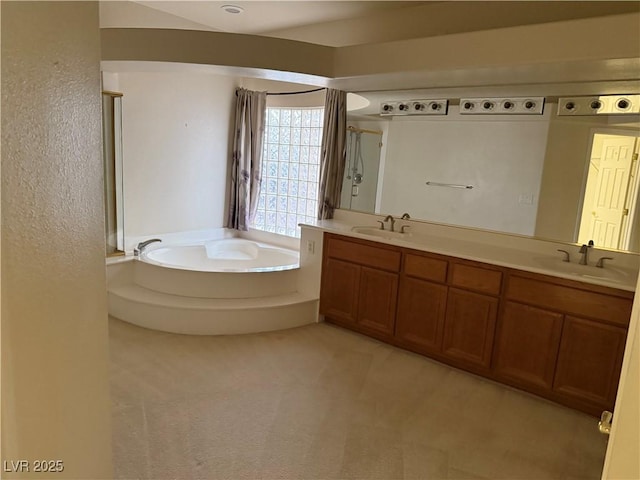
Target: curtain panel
333	152
246	161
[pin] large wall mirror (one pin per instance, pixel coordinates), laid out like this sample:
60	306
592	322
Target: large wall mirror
564	178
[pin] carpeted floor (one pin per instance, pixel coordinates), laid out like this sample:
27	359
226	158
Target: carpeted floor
320	402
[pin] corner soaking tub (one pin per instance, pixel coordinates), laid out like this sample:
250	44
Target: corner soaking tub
225	286
226	255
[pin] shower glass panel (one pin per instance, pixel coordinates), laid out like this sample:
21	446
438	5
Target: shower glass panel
360	180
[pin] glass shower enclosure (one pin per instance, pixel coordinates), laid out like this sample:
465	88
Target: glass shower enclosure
360	182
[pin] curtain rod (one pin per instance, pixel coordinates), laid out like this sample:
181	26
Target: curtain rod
297	93
293	93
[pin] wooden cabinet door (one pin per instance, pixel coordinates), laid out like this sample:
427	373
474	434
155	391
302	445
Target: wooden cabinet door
589	361
469	327
420	314
527	345
377	300
339	292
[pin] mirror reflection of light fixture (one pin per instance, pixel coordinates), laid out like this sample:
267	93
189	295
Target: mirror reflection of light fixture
502	106
415	107
599	105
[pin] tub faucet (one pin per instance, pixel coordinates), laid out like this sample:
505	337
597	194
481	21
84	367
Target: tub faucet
142	245
391	220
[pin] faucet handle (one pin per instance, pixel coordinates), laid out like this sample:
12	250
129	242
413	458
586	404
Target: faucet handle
381	224
600	263
404	227
567	257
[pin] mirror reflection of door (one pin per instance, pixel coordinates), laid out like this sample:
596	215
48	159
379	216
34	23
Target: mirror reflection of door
360	182
610	207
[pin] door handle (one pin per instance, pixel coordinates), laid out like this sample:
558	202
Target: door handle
604	425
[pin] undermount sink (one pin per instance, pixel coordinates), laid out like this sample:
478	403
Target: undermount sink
608	272
377	232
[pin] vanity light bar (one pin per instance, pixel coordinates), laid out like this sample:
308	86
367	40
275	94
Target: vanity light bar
502	106
415	107
599	105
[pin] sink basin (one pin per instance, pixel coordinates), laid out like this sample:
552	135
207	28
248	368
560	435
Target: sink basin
608	273
376	232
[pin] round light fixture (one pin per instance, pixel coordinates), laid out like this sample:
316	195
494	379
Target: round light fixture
232	9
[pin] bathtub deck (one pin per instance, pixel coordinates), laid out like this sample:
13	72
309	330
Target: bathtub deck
204	303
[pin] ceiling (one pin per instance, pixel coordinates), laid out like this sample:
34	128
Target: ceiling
341	23
264	16
257	18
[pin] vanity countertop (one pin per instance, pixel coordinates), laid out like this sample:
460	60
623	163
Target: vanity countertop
550	263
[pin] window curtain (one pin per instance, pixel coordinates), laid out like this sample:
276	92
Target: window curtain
246	156
333	156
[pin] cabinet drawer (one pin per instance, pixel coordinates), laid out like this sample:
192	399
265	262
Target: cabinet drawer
363	254
476	278
427	268
570	300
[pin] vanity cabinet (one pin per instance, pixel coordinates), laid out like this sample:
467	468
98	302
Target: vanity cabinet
360	285
422	302
560	339
472	309
447	309
589	361
377	300
527	345
340	290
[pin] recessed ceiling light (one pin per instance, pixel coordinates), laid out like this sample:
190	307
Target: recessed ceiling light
233	9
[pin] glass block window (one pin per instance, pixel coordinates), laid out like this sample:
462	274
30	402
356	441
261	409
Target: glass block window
290	170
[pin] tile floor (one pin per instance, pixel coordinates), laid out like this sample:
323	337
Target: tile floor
320	402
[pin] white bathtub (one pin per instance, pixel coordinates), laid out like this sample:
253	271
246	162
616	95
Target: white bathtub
225	255
225	286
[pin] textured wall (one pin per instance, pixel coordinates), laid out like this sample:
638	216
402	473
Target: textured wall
55	397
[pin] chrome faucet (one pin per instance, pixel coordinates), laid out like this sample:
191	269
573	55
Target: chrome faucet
584	250
391	220
142	245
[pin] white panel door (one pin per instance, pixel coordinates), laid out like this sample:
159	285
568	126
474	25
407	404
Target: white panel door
612	184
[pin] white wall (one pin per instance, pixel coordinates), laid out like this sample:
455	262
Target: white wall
176	133
501	158
55	358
